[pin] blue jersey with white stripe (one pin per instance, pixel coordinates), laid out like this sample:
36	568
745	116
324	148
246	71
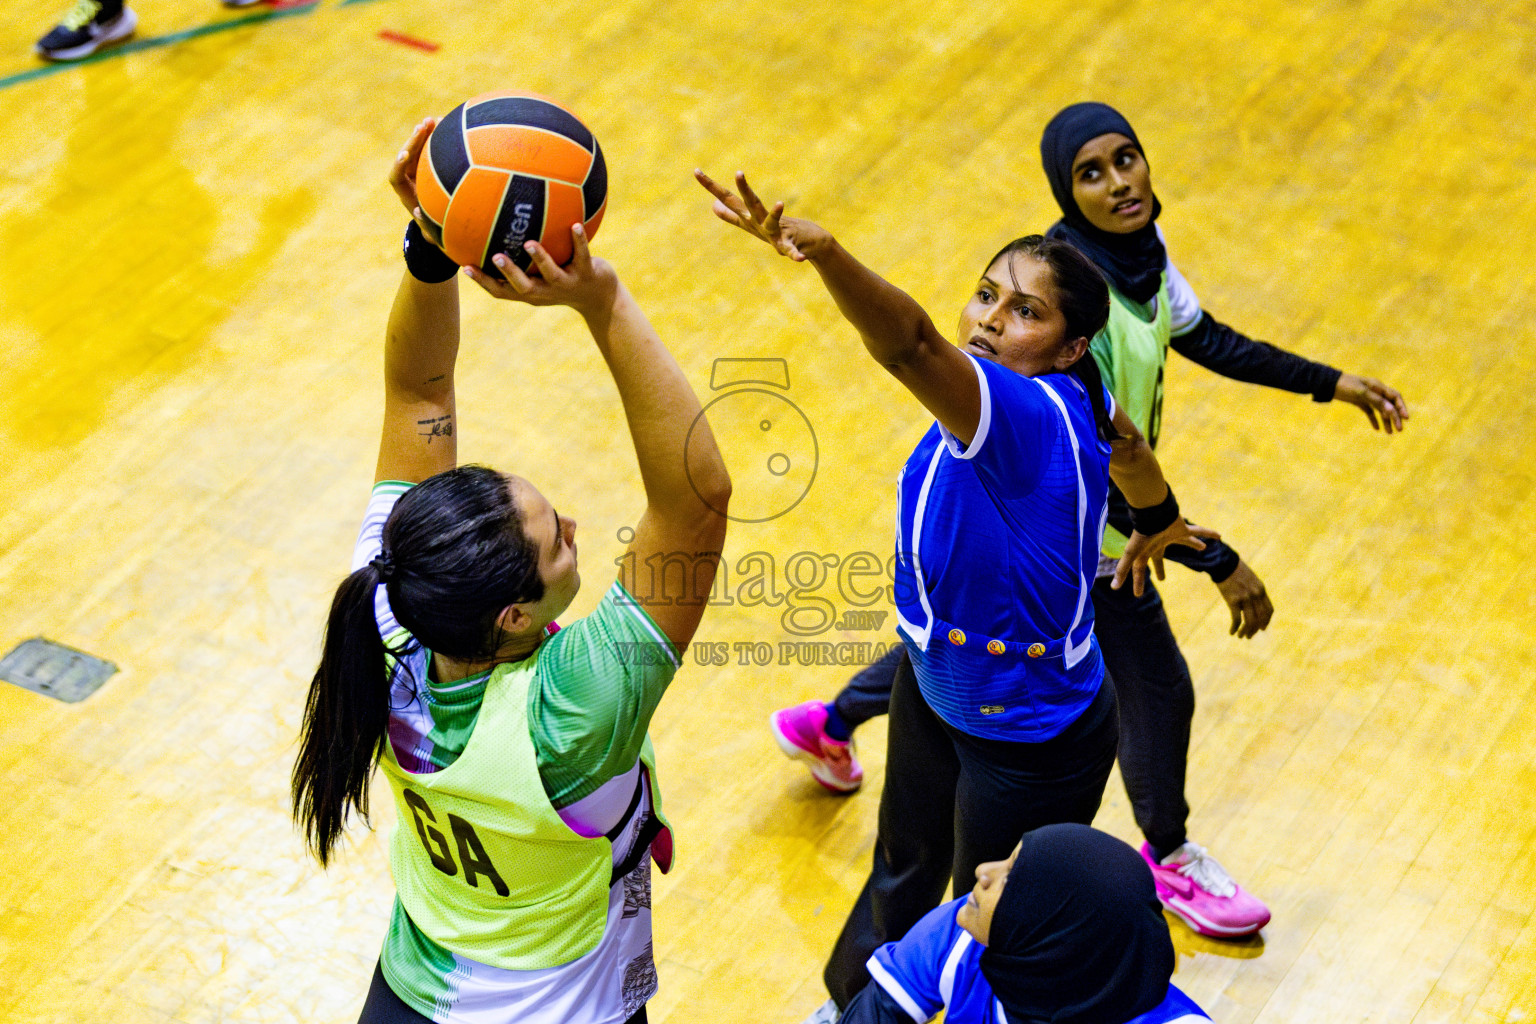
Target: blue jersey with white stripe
937	966
997	545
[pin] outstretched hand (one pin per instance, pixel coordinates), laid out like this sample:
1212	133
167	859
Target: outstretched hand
1247	600
1141	549
789	236
586	284
402	176
1375	398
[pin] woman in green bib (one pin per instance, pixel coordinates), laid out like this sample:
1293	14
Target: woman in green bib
516	751
1101	180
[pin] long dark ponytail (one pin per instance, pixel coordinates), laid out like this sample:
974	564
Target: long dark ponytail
1084	298
455	554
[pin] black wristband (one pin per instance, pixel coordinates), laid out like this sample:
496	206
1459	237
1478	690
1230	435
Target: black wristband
1225	564
1155	518
426	262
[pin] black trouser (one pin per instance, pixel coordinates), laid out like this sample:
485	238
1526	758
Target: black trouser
953	801
1157	704
868	694
1152	686
384	1007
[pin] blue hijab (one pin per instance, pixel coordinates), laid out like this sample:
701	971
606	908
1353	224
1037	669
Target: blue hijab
1134	262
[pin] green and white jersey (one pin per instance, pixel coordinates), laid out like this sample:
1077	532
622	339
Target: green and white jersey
1132	353
590	697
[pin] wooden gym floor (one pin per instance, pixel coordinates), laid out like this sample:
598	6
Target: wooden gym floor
197	254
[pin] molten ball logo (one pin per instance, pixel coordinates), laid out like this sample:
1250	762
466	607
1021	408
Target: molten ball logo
522	215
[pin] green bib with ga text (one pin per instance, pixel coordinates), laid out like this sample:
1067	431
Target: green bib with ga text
484	865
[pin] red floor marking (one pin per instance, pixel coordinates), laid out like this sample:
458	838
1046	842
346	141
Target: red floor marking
405	40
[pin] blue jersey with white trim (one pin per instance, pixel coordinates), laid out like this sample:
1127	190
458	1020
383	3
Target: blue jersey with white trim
937	966
997	545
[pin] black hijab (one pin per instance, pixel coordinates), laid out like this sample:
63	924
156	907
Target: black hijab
1134	262
1078	936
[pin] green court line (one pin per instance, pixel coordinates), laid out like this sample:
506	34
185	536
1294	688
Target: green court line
154	42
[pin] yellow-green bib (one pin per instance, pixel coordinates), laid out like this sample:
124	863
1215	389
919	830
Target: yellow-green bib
484	865
1132	352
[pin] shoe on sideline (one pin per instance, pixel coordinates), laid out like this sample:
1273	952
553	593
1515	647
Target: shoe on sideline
85	30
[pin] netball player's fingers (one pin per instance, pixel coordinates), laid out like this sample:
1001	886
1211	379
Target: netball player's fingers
581	253
727	206
494	288
587	284
710	185
1122	570
1399	403
1262	610
516	286
1375	405
422	222
1248	618
1196	535
1139	579
404	188
729	215
1237	618
431	232
1245	628
549	270
1157	566
774	225
402	174
1389	404
754	204
1133	564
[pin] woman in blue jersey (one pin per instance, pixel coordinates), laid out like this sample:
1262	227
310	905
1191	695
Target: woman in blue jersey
1101	180
1067	930
517	753
1002	723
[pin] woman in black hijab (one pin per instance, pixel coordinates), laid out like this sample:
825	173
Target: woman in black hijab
1102	182
1066	931
1132	259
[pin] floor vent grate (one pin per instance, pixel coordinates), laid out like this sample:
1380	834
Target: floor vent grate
54	670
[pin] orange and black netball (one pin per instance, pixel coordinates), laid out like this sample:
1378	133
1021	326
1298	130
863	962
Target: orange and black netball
506	168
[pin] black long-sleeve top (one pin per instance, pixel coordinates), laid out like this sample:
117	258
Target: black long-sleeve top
1222	350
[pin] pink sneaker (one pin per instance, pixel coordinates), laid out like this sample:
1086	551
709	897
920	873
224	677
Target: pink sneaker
801	732
1194	886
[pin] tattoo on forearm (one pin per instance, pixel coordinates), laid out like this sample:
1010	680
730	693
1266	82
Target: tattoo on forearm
437	426
434	380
